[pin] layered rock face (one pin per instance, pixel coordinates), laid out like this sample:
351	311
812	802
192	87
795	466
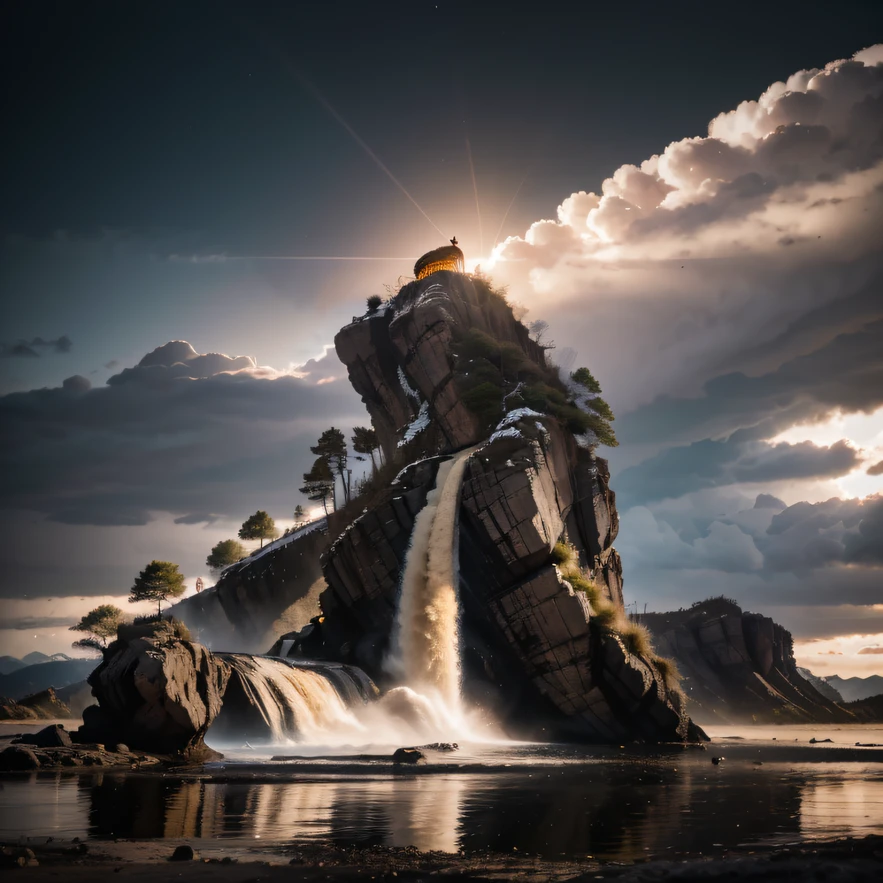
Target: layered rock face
156	692
250	597
401	355
738	666
531	648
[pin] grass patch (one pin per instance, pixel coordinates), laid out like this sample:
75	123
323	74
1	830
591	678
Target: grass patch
606	615
562	553
668	669
587	587
636	639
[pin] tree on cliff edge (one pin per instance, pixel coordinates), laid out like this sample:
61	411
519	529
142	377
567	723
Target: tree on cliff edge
101	624
365	442
224	554
258	527
597	411
331	447
159	581
319	483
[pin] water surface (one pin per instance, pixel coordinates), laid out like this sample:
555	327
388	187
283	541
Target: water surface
550	800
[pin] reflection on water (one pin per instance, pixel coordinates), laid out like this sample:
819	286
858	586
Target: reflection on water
620	809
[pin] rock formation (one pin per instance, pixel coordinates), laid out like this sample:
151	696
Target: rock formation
157	691
738	666
44	705
533	647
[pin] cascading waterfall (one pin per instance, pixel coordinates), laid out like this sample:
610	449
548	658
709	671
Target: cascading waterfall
426	652
307	701
332	703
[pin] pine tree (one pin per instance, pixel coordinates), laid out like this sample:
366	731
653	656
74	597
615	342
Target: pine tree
300	516
101	623
258	527
599	413
319	483
158	581
365	442
332	448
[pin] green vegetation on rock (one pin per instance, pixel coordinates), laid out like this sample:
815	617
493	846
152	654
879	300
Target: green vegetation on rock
159	581
258	527
101	624
225	553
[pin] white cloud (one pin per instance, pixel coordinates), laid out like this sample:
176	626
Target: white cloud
684	263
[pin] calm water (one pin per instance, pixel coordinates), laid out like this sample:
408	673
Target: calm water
549	800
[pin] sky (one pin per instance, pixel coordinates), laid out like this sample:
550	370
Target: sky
197	196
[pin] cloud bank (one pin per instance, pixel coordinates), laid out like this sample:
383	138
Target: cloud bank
197	435
725	291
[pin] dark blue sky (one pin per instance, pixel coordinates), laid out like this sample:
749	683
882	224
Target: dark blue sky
188	119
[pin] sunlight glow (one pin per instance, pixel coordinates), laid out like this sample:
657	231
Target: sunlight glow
845	655
864	431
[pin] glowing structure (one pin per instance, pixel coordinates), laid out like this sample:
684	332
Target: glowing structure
448	257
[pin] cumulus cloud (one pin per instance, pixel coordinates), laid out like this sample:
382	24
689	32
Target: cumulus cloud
805	554
177	359
724	291
870	651
876	469
844	374
181	432
727	250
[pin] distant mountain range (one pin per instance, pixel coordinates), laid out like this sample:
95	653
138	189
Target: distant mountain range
9	664
37	671
856	688
821	684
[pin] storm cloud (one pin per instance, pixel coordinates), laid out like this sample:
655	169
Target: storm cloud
200	436
709	463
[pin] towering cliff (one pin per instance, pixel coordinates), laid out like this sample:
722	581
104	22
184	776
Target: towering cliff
739	666
444	367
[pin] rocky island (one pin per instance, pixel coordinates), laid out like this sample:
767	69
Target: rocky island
444	367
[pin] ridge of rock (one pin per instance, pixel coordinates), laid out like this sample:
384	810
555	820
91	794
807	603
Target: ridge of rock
739	666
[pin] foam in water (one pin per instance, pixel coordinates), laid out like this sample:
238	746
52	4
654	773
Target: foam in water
298	700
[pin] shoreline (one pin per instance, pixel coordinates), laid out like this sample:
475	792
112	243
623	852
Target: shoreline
845	859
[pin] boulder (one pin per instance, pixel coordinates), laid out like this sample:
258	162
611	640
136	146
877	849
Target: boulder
156	691
408	755
182	853
55	736
16	758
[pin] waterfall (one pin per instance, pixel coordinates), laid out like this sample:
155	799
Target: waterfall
301	700
331	703
426	651
275	700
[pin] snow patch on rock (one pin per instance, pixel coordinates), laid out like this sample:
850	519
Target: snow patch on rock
417	425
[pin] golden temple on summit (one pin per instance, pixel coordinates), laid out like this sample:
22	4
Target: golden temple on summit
448	257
